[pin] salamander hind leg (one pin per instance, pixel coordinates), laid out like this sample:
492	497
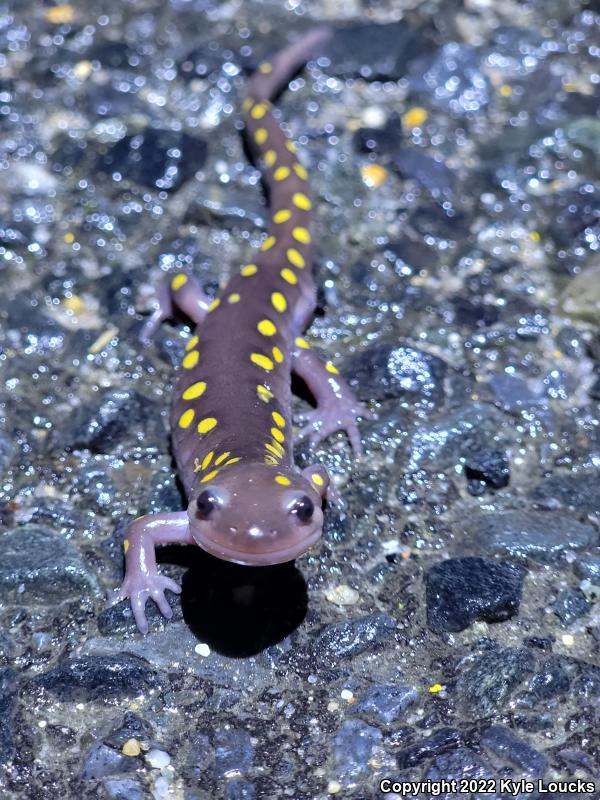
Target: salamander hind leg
142	579
181	291
337	407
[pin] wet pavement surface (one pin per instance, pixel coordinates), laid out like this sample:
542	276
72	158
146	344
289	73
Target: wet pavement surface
448	627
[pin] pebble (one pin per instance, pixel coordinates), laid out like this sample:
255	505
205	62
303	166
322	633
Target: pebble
460	591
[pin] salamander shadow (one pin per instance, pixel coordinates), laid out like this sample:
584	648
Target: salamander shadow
238	611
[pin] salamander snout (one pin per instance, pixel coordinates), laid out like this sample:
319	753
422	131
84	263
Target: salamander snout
257	516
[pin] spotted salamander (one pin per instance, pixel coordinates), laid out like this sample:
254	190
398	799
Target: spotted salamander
231	411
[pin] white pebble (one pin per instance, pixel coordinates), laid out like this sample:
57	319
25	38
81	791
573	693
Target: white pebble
158	759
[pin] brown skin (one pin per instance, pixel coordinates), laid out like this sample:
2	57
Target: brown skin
231	410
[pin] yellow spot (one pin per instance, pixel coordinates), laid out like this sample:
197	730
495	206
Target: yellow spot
437	687
265	68
232	461
278	419
249	269
300	200
331	368
302	343
186	419
61	14
282	216
282	480
291	146
270	158
535	236
277	448
191	344
197	466
178	281
277	355
131	748
295	258
268	243
272	449
190	360
414	117
277	435
506	90
233	298
266	327
301	235
194	391
207	424
279	302
281	173
248	103
317	479
126	546
210	476
264	393
259	110
289	276
270	460
373	175
222	457
69	237
300	171
207	459
262	361
215	304
74	303
261	136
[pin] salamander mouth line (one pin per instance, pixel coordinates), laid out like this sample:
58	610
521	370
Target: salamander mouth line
258	559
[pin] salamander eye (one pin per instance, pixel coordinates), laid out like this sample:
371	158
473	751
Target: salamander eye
206	503
303	508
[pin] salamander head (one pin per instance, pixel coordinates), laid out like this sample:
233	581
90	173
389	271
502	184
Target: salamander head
257	515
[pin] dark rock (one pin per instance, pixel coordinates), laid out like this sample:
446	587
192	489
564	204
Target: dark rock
456	765
123	789
487	685
92	678
239	789
451	79
381	371
380	140
373	52
8	697
115	419
553	679
489	466
504	743
234	751
386	703
48	566
570	605
347	639
132	727
438	742
431	174
594	390
512	393
353	746
588	568
462	590
102	761
543	536
581	491
156	158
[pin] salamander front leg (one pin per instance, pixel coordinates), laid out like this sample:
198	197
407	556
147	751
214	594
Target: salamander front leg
337	407
142	579
183	291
